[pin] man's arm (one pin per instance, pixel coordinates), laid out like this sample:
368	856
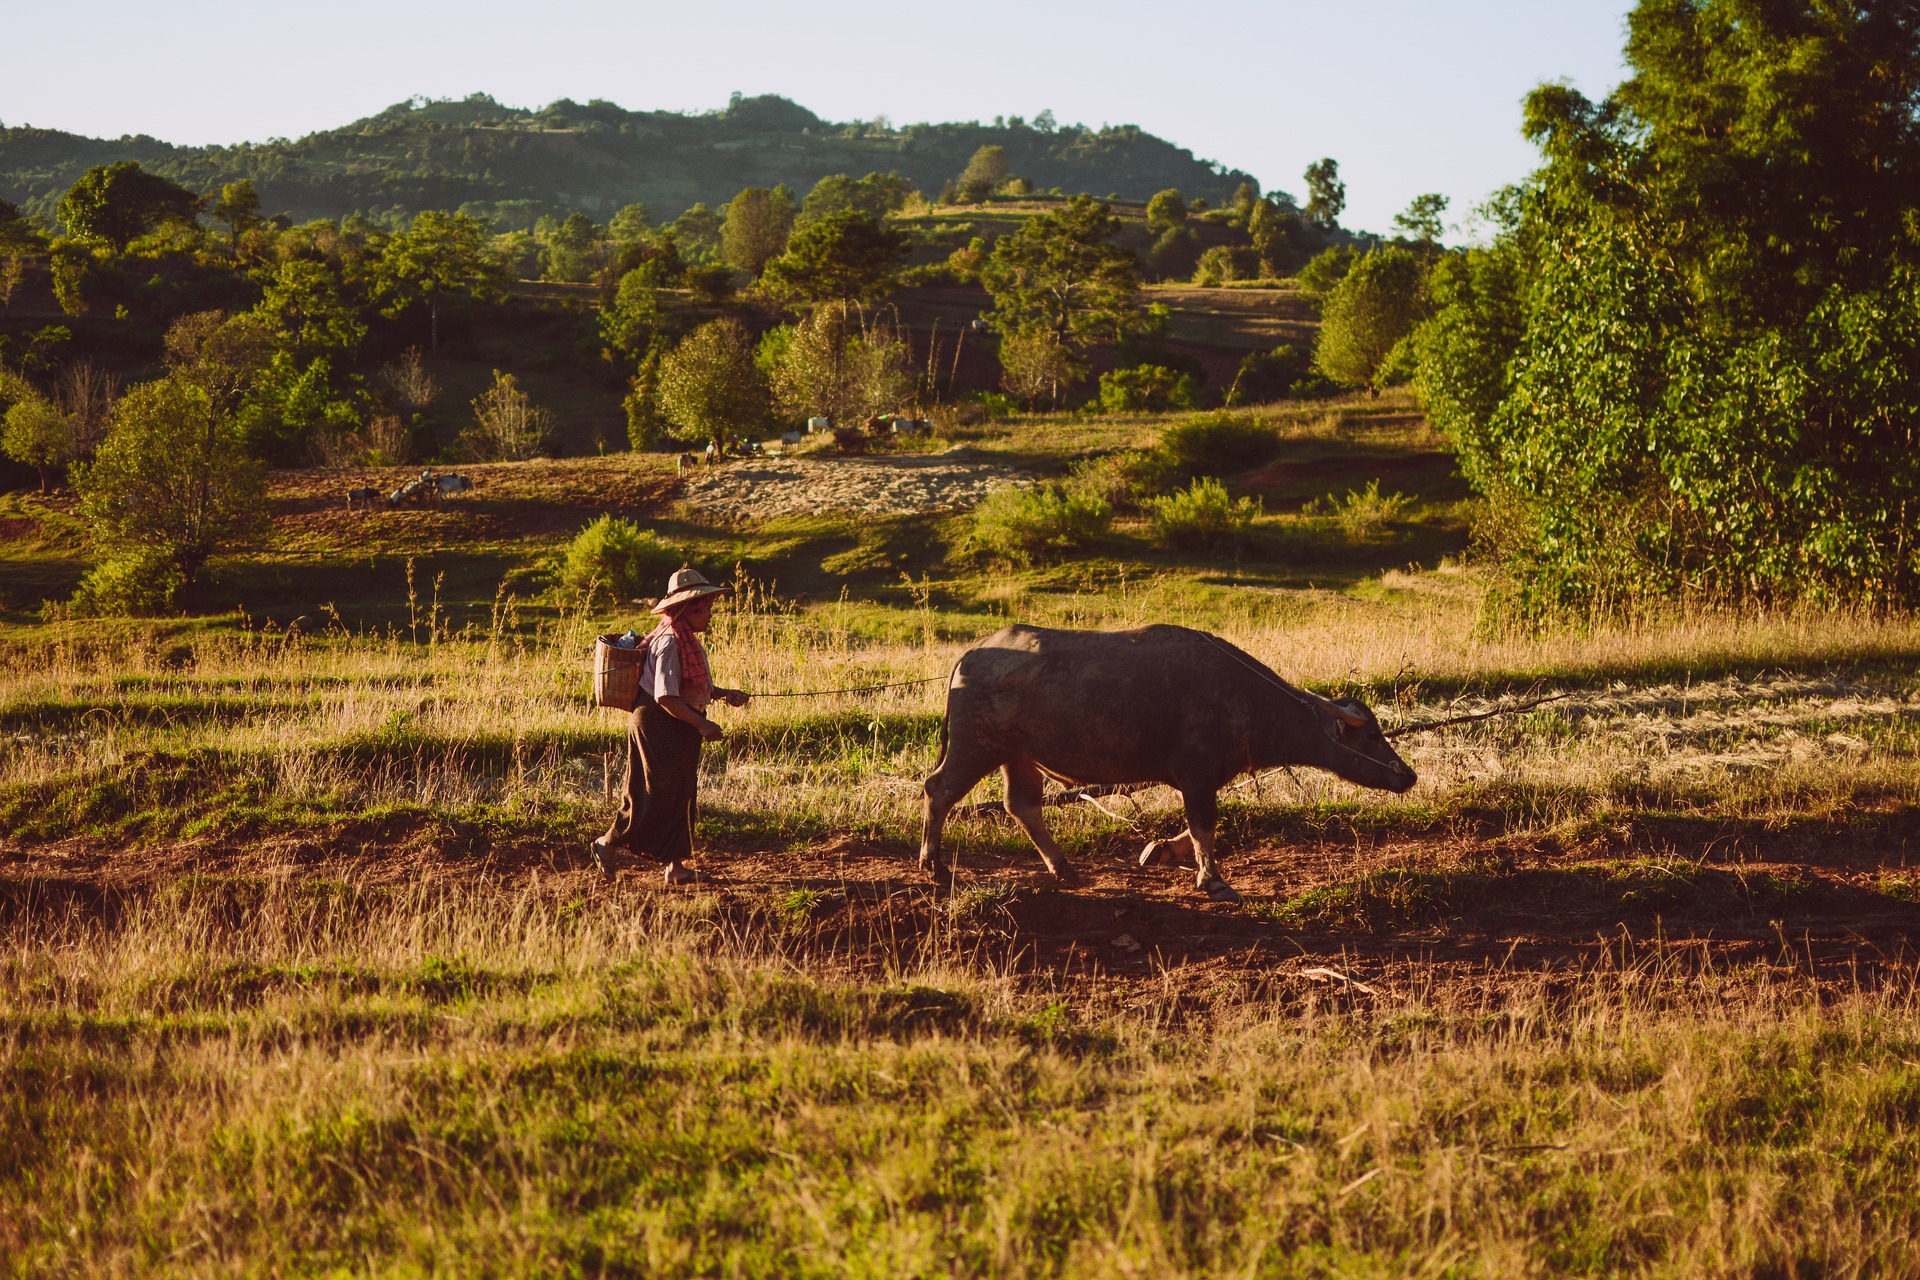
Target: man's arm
680	709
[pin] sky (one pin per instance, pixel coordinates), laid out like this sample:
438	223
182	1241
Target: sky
1409	97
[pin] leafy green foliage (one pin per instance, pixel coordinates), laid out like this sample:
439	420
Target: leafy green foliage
1061	273
985	173
756	229
131	583
876	196
1364	514
844	257
710	386
1326	194
33	431
1044	522
1689	365
1167	209
115	204
1203	516
1368	313
1218	444
1147	388
614	560
172	480
1265	376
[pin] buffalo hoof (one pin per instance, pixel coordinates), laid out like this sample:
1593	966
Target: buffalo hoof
1065	877
598	853
1221	891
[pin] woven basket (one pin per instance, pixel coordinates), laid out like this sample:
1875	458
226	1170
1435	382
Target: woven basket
616	674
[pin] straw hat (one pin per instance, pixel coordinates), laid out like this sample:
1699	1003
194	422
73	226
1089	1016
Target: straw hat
685	585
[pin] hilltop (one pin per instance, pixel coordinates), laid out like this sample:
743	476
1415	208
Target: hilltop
513	164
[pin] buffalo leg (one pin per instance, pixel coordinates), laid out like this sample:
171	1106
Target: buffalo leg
946	786
1025	789
1203	816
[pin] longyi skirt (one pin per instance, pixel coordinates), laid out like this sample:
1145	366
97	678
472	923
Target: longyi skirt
663	774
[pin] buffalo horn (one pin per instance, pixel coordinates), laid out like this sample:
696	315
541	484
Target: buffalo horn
1352	719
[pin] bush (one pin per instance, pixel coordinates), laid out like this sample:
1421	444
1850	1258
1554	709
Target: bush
1269	375
1123	480
133	584
1148	387
1218	444
1367	512
1052	520
613	560
1201	517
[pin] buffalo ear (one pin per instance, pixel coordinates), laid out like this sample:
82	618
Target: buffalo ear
1351	719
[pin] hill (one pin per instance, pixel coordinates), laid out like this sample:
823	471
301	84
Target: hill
513	164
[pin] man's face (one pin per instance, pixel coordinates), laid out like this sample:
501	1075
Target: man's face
698	614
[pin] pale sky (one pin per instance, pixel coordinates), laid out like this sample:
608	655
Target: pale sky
1409	96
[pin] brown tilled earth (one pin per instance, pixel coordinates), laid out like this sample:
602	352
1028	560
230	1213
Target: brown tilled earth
1524	912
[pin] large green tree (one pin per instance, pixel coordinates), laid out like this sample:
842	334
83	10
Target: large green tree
756	229
1692	362
845	257
441	256
172	480
115	204
1326	193
1368	314
710	387
1062	273
237	205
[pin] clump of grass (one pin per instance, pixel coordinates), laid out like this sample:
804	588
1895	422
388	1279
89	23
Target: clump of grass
1202	517
1044	522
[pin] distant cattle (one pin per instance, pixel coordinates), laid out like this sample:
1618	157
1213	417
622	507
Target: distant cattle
428	485
912	427
791	437
447	485
819	424
361	497
685	460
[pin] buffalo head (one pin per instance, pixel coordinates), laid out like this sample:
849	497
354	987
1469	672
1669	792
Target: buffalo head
1359	752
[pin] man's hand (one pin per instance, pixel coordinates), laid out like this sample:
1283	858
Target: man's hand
709	731
732	697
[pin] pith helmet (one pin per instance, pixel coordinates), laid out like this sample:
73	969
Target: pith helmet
685	585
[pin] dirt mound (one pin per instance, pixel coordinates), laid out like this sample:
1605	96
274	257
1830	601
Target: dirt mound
770	488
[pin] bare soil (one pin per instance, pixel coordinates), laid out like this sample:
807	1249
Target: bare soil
1544	913
771	488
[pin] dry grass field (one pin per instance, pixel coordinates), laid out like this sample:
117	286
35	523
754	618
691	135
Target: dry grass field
303	970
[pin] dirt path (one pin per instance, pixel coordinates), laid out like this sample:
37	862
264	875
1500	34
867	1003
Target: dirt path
771	488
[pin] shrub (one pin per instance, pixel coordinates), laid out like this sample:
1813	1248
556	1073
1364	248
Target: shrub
1052	520
1367	512
1148	387
1268	375
133	584
1218	444
1123	480
1216	267
614	560
1201	517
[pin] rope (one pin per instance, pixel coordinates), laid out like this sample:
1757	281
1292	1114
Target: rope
821	693
1484	715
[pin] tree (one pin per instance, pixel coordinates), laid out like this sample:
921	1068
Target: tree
442	255
115	204
305	311
630	323
1035	362
876	195
710	386
35	433
830	365
569	250
646	424
1326	194
1061	272
172	480
1278	236
1691	362
237	205
508	426
1422	222
1167	209
845	257
223	355
1245	197
756	229
1367	315
630	224
20	241
984	173
698	233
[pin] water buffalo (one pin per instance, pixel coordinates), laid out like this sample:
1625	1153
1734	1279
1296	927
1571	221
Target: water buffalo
1159	705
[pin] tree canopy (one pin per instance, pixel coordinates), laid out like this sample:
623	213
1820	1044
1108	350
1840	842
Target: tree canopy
115	204
1691	363
845	257
1061	272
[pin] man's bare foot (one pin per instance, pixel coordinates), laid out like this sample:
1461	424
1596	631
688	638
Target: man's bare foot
680	873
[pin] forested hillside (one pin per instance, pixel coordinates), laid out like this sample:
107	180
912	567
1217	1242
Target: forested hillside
510	165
